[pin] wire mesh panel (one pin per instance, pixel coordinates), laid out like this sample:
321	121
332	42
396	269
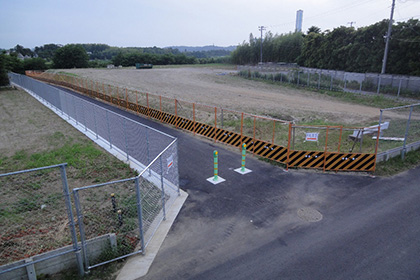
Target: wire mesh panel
308	138
109	221
153	198
265	129
184	109
117	130
204	114
281	133
398	126
168	106
138	142
229	120
170	167
248	129
35	214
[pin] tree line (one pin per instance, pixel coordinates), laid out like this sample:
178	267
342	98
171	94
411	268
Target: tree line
19	58
343	48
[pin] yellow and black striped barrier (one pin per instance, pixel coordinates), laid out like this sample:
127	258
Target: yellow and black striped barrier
301	159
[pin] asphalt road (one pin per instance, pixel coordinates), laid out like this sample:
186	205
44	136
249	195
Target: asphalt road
249	227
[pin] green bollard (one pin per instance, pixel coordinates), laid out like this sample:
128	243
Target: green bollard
215	156
243	157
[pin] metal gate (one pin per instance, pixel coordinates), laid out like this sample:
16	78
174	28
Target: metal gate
110	221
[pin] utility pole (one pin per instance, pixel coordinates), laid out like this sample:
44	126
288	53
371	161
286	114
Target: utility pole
351	23
388	36
261	28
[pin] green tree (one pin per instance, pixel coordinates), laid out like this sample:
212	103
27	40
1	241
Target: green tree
71	56
14	64
4	79
34	64
314	29
46	51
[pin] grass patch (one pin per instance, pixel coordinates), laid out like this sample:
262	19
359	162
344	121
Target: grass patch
84	159
397	165
375	100
210	65
61	72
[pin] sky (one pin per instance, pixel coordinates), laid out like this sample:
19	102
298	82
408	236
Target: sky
163	23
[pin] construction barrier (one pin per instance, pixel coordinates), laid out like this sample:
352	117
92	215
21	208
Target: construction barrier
273	139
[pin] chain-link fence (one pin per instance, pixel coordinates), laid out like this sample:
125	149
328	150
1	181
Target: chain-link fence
400	130
174	111
119	218
395	85
36	221
139	203
264	136
131	139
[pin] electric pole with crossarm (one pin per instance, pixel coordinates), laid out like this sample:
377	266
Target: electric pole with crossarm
261	28
388	36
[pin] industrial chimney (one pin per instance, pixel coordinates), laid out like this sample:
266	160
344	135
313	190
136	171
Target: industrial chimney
299	18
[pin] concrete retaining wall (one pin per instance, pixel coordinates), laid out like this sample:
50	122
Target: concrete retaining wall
55	264
384	156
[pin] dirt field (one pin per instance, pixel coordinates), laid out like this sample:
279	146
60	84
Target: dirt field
27	125
216	87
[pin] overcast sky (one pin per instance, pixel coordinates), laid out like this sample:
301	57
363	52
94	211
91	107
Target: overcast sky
164	23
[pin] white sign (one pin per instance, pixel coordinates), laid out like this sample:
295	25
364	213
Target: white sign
170	162
312	136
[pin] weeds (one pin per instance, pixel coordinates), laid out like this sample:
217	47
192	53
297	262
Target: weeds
397	165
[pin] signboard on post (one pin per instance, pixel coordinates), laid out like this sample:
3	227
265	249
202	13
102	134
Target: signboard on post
312	136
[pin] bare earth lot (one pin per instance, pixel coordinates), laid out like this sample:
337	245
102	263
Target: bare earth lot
217	87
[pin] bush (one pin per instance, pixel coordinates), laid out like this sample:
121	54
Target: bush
34	64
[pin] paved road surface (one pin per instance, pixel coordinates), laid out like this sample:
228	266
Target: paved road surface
249	228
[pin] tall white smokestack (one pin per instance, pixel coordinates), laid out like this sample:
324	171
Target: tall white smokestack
299	18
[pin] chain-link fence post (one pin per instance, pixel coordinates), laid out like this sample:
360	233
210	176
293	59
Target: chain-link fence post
94	121
379	84
71	219
345	82
81	227
109	131
399	88
403	151
67	107
319	79
75	111
361	84
331	82
163	189
298	77
84	115
125	138
140	214
148	150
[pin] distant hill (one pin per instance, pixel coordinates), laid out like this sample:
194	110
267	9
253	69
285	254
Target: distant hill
203	49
